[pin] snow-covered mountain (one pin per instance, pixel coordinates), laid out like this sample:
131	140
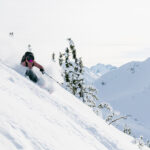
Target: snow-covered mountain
33	119
101	69
127	89
94	72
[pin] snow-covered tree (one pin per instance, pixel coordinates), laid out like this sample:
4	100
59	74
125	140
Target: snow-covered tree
60	59
127	130
74	82
73	75
73	71
140	142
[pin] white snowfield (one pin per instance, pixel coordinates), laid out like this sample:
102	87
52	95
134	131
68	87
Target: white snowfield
33	119
127	89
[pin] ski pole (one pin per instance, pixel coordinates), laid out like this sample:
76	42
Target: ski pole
53	79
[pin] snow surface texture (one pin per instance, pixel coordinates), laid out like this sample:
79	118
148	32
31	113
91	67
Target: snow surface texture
33	119
127	89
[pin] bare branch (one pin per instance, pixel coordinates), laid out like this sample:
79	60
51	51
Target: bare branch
123	117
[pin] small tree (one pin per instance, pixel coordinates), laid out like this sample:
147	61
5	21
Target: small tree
140	142
107	110
90	96
73	75
109	115
127	130
60	59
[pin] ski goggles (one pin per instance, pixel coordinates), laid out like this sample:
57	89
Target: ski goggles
31	60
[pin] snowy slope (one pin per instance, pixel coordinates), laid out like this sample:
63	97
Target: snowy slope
33	119
127	89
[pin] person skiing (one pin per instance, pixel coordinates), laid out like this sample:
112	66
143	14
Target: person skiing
28	61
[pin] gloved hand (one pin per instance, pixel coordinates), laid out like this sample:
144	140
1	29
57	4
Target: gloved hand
42	70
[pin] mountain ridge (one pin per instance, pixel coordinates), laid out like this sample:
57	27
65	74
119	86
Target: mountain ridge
127	90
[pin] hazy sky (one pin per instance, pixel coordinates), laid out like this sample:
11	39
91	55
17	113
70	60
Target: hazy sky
104	31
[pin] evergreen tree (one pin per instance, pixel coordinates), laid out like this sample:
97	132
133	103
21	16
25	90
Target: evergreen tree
127	130
60	59
76	73
73	76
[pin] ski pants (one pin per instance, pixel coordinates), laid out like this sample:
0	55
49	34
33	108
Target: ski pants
32	76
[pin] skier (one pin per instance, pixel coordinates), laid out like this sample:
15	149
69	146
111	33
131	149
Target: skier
28	61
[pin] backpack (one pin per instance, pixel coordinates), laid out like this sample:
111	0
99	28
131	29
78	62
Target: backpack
26	55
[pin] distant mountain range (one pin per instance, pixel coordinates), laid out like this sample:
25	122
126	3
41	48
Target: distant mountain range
94	72
127	89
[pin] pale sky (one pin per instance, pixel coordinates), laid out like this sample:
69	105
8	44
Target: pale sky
104	31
